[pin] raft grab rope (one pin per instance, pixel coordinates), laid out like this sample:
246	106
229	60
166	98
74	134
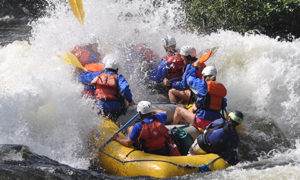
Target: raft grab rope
201	169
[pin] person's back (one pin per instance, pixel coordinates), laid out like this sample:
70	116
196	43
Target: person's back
170	65
107	86
153	135
211	97
207	106
150	133
111	87
179	89
220	137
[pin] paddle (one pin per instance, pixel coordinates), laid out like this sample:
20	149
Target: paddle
125	125
72	60
164	103
77	9
203	58
173	79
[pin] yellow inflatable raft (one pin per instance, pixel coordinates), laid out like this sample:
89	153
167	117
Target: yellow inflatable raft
120	160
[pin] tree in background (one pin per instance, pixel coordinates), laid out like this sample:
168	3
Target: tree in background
271	17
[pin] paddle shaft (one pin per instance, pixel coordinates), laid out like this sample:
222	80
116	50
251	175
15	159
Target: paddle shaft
173	79
125	125
164	103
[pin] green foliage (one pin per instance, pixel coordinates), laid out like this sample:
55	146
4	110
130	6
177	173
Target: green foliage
271	17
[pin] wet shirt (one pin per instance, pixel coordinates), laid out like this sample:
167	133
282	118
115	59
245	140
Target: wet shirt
137	128
157	74
189	71
224	140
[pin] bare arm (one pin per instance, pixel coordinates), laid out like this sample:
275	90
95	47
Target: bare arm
95	80
124	141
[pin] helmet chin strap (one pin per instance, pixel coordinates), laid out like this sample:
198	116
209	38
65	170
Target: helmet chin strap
189	59
144	116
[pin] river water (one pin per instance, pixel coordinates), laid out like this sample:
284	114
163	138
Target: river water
44	123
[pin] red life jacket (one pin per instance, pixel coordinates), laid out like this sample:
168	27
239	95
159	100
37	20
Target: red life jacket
166	57
107	87
143	50
82	54
215	94
153	136
177	67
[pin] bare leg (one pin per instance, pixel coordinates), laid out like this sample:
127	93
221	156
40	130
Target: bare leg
187	115
177	95
195	149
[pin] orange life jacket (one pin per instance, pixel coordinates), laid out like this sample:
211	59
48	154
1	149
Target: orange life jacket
107	87
82	54
153	136
177	67
94	67
215	94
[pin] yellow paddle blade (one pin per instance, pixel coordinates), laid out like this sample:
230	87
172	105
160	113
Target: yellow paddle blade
77	9
72	60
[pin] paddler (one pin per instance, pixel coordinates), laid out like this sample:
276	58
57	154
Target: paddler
89	57
112	89
220	137
210	100
149	133
171	65
179	89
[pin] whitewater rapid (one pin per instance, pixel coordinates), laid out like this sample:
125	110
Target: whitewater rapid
41	106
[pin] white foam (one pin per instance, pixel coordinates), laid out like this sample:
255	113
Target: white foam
40	104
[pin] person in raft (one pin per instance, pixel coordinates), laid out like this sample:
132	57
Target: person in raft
220	137
179	89
169	44
89	57
87	54
111	89
171	66
210	100
150	134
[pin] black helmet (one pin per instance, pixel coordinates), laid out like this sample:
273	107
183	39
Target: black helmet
236	116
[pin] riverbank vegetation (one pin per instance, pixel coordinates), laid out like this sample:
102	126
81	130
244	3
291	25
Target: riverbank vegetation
275	18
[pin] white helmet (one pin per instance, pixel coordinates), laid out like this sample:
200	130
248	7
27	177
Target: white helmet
188	50
168	41
110	61
209	71
144	107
